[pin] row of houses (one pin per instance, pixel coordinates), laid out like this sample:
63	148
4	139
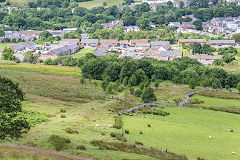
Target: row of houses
66	47
113	24
215	43
31	34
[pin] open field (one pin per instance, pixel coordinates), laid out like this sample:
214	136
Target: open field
187	131
217	102
97	3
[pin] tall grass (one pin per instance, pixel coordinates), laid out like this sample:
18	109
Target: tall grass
44	69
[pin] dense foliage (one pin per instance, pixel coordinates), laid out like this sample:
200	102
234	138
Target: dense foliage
140	72
12	120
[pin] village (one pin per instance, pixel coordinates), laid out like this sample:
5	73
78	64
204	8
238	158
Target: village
135	48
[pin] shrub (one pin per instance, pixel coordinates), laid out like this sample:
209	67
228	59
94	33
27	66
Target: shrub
63	110
71	131
149	125
63	116
58	142
113	134
138	93
140	132
139	143
81	147
126	131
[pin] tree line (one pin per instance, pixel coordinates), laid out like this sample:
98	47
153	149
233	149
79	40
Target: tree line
137	72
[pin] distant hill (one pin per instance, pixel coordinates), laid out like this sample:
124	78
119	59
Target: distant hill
20	3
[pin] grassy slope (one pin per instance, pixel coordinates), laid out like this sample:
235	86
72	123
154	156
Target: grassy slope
49	94
96	3
186	131
217	102
20	3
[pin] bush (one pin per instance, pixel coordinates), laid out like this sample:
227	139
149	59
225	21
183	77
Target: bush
81	147
140	132
126	131
63	116
63	110
149	125
58	142
139	143
71	131
138	93
113	134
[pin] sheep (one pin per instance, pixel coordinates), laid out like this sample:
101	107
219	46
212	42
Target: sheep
97	125
233	153
210	137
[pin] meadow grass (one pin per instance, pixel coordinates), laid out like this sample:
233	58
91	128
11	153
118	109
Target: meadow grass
97	3
83	52
51	95
44	69
216	102
187	131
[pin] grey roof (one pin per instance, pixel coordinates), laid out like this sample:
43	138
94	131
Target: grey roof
64	49
57	51
170	53
221	41
98	52
159	43
89	41
72	46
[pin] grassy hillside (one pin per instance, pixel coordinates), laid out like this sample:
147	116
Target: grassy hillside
81	114
96	3
20	3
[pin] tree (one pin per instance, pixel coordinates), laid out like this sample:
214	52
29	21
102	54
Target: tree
198	24
148	95
181	4
196	48
80	11
132	81
30	57
12	121
82	81
236	37
128	2
2	33
7	54
45	36
156	84
192	83
238	87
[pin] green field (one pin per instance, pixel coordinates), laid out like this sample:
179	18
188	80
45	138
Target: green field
97	3
187	131
217	102
50	90
82	52
20	3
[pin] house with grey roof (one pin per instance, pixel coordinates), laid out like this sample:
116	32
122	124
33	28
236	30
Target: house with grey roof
158	43
89	42
222	42
113	24
131	29
205	59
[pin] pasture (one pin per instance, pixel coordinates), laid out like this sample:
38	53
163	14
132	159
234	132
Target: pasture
97	3
187	131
